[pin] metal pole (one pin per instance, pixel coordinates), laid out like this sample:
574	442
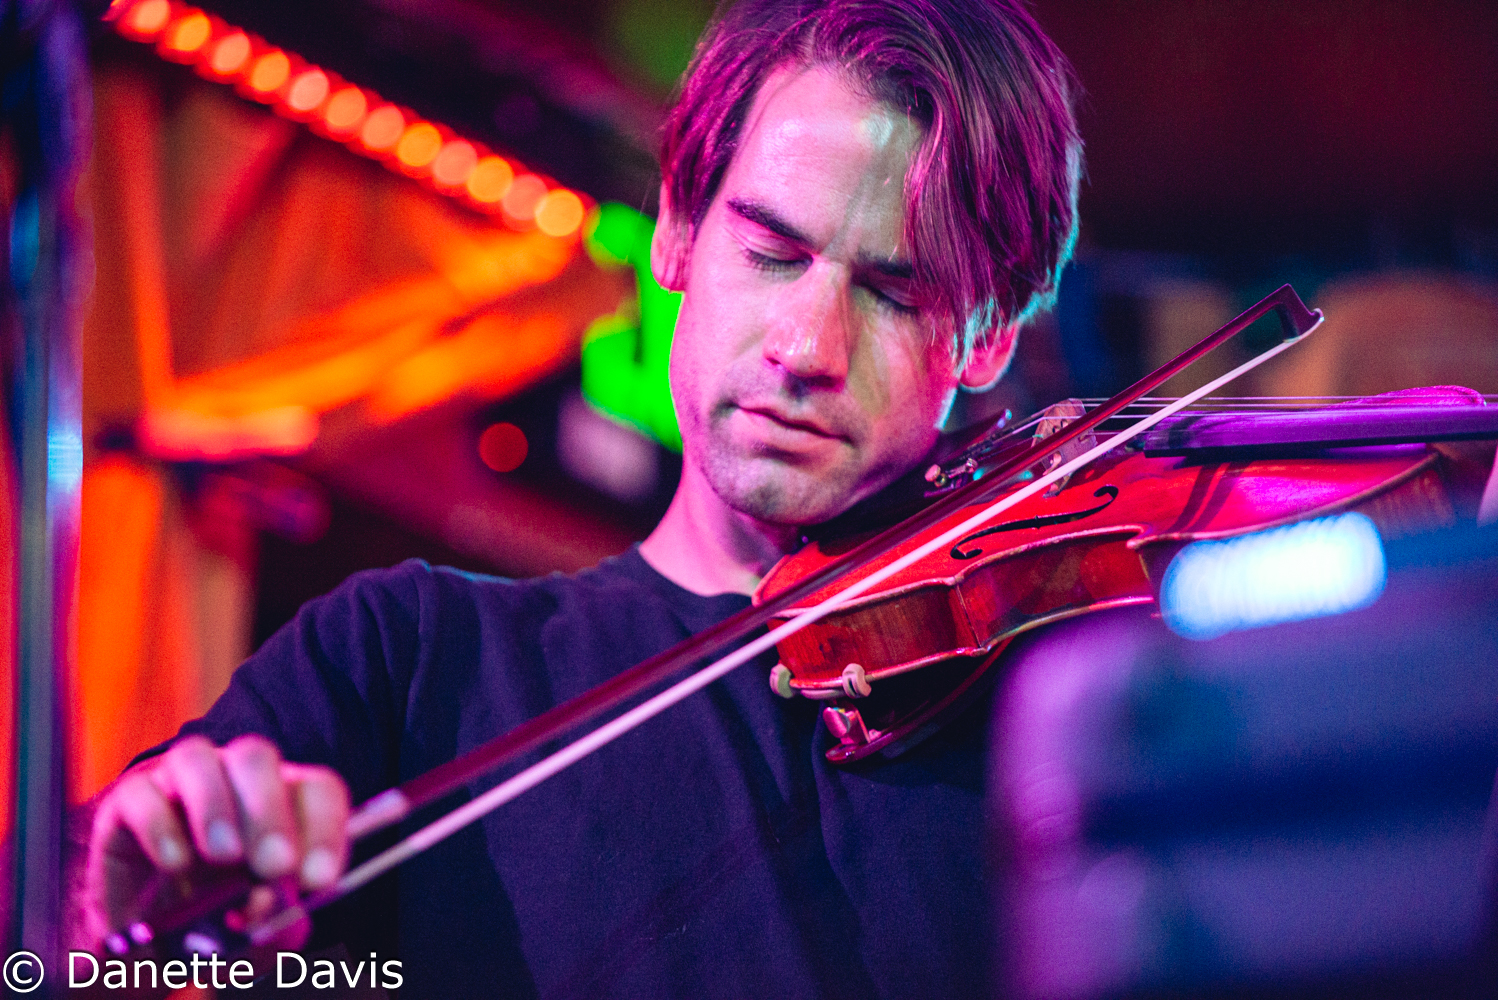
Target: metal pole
45	120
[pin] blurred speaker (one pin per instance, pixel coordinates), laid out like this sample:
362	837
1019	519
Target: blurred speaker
1299	810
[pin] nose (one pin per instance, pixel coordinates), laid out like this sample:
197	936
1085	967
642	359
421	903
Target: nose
809	335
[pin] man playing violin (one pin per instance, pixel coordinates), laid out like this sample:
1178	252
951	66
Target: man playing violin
862	202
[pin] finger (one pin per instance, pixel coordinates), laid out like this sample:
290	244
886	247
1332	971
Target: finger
193	772
260	905
322	804
264	903
137	805
271	842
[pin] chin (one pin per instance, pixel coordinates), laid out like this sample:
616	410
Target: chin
773	492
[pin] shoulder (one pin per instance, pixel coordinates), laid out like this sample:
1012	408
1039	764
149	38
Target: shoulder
506	650
417	586
438	606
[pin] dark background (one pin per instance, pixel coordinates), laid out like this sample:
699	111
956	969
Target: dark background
1361	130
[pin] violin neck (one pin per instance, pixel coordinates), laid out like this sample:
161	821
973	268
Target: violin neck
1224	434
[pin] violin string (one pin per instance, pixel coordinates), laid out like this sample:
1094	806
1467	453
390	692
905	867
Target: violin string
1403	394
1226	406
1213	406
1296	403
1284	402
1216	406
559	760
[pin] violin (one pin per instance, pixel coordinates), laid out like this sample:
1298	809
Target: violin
1086	521
1103	539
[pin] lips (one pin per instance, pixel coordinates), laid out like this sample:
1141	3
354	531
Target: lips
775	416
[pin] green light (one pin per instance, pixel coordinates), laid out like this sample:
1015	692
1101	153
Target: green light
656	37
627	354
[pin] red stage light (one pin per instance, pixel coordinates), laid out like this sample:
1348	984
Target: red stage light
524	195
454	164
230	54
382	128
270	72
490	180
419	145
345	110
149	17
503	447
560	213
307	91
190	33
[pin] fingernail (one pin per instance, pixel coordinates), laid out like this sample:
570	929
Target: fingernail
223	839
319	867
273	855
171	852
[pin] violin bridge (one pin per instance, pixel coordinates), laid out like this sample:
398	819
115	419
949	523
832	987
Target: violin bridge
1055	418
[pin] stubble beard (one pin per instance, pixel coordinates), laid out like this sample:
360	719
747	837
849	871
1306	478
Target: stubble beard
770	487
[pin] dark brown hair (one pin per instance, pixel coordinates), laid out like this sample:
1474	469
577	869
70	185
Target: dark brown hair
991	196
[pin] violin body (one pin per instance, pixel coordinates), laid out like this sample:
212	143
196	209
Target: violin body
1102	541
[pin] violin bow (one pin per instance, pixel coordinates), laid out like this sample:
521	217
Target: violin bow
394	804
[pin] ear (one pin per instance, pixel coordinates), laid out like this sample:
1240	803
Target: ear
668	247
989	359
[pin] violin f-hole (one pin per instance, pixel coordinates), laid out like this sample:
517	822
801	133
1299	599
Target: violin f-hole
1043	521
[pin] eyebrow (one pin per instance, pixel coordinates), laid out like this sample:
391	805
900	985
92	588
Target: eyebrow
762	215
901	269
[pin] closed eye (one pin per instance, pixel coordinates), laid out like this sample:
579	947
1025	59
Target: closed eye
780	265
890	302
766	262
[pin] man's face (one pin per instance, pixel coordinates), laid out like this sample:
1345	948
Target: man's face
804	372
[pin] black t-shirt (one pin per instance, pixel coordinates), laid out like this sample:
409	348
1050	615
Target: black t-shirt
713	852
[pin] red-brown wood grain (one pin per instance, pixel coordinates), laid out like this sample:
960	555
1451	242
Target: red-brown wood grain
963	600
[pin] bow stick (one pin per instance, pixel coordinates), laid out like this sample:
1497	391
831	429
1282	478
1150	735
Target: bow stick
392	805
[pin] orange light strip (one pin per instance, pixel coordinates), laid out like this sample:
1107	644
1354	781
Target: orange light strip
359	118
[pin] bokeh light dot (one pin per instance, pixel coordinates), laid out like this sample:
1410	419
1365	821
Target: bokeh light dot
190	33
382	128
490	180
345	109
454	163
559	213
307	91
231	53
271	70
150	16
524	195
502	447
419	145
